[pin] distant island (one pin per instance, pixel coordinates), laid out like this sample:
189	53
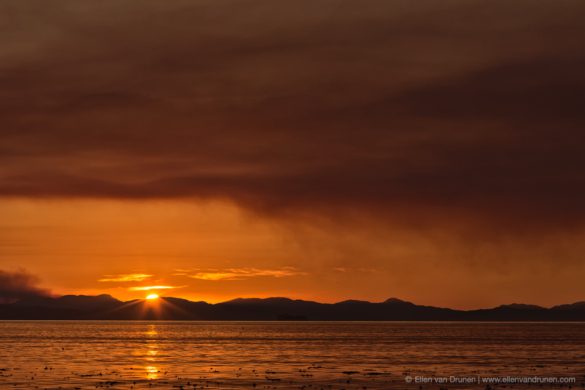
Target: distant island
105	307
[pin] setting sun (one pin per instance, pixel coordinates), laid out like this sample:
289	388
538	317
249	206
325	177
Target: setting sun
152	296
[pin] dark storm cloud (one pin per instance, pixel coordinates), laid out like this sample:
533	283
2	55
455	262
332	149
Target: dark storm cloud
19	285
404	108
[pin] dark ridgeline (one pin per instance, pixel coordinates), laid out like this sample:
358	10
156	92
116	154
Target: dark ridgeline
105	307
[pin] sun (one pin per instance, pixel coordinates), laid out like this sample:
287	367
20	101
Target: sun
151	297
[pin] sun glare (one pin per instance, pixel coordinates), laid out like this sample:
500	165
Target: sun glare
150	297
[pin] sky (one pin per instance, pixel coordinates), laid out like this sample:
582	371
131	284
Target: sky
323	149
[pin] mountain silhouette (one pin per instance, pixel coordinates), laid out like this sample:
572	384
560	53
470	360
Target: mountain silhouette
105	307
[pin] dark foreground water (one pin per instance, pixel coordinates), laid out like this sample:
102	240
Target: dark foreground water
290	355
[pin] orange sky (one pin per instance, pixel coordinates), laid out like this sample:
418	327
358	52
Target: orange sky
214	251
431	151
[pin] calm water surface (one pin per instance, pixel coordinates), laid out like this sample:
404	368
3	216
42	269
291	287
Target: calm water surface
283	355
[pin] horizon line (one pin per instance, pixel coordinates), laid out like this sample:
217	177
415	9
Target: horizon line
395	299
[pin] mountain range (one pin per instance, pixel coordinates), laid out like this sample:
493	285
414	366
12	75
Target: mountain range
105	307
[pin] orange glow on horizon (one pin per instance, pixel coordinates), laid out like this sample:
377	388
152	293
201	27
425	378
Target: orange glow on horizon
213	252
152	297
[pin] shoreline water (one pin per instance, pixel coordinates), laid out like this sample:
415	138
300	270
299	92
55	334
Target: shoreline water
279	355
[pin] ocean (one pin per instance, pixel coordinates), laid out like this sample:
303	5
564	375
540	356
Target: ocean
290	355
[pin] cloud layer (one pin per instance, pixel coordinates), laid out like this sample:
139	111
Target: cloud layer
410	111
149	288
16	285
242	273
137	277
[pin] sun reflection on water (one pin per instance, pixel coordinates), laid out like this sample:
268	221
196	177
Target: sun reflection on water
152	371
151	332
